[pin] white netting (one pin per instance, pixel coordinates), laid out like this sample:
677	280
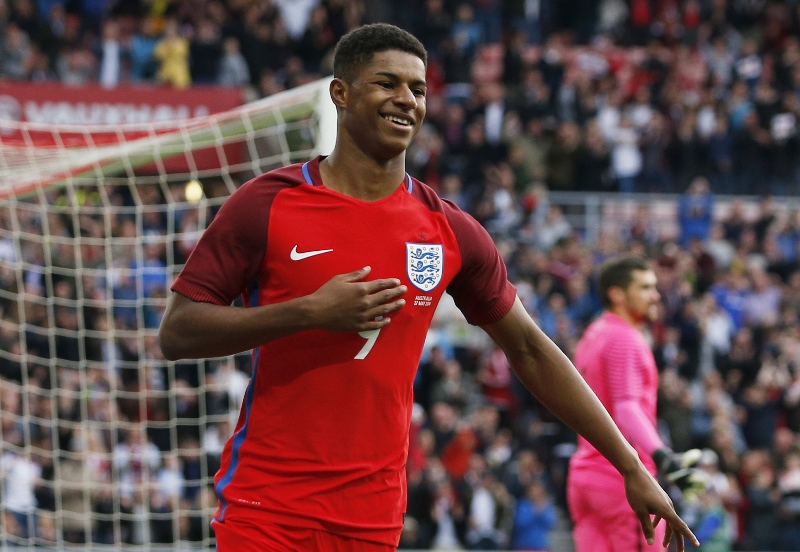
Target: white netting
103	441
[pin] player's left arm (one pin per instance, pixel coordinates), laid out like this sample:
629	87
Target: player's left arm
552	378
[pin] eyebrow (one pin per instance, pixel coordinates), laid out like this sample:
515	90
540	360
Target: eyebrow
393	76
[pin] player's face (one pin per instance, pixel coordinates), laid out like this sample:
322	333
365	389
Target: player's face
386	104
642	297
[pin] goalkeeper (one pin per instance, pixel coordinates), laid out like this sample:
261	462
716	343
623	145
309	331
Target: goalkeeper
617	362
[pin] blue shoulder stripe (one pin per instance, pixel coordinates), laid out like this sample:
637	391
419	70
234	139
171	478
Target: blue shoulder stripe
306	174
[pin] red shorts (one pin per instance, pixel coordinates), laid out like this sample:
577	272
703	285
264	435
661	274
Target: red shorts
243	536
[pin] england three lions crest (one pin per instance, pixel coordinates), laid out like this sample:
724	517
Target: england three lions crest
424	264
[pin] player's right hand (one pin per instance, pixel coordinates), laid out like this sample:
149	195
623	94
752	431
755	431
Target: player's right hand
348	303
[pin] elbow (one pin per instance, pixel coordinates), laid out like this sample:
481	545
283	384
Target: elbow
170	347
172	334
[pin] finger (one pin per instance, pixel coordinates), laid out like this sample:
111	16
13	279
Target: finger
680	543
667	535
387	295
679	527
386	308
647	527
374	324
691	537
357	275
668	532
681	536
375	286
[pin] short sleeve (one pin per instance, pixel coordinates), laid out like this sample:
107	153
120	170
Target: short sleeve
481	288
227	257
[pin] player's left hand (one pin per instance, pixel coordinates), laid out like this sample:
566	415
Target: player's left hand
652	504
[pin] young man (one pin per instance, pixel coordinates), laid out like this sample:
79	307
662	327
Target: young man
346	257
617	363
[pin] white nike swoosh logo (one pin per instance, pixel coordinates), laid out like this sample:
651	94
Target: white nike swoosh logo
305	255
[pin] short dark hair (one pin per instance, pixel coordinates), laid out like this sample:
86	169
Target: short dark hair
618	272
357	47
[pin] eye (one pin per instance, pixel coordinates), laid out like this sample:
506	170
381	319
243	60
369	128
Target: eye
386	84
420	92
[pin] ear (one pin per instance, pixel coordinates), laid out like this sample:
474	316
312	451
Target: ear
616	295
339	92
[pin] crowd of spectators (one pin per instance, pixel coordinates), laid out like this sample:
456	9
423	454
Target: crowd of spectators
614	95
104	441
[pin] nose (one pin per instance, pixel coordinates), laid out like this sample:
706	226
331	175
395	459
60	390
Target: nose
405	97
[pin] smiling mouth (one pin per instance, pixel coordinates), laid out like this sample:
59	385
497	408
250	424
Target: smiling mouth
402	121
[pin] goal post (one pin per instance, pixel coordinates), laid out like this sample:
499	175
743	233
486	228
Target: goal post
104	442
36	156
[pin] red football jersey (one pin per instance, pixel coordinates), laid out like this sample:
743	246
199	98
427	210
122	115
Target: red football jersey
322	437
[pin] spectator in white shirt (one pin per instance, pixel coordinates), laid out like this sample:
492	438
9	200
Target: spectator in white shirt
233	70
626	157
20	475
110	56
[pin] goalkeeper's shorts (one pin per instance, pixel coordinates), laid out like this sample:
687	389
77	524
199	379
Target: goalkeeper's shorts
604	522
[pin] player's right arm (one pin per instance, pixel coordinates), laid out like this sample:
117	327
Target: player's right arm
200	322
346	303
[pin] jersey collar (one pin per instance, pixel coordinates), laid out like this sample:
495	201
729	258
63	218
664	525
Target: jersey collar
311	174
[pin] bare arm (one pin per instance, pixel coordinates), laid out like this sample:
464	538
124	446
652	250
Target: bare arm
346	303
554	381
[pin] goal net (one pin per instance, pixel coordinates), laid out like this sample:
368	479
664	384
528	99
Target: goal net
103	441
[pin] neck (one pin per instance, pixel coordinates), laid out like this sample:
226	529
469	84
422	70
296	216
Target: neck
630	319
353	173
